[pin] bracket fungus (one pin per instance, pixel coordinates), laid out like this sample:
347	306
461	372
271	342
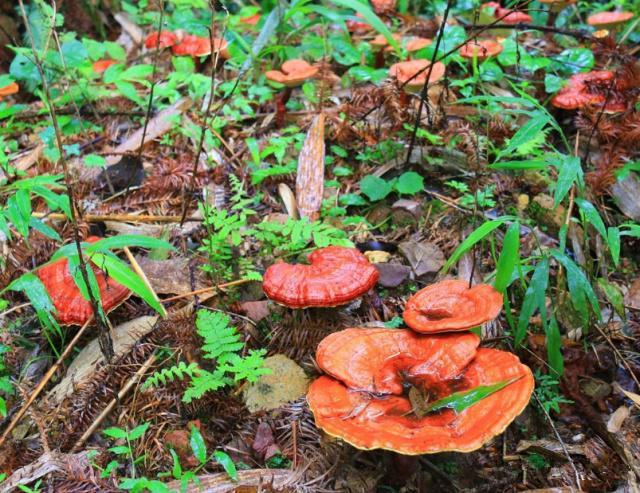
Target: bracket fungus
609	20
335	276
588	89
369	400
166	39
71	307
481	49
292	73
451	305
9	90
405	73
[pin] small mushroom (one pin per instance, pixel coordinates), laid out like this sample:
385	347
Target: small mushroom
101	66
292	73
481	50
380	46
384	7
71	307
609	20
417	43
412	74
166	39
507	16
196	46
335	276
451	305
9	90
356	26
588	89
367	399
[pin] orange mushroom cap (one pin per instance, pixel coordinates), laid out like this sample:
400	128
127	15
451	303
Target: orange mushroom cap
368	420
335	276
587	89
196	46
100	66
609	19
508	16
8	90
481	49
451	305
167	39
357	27
71	307
404	71
292	73
381	7
251	20
417	43
380	42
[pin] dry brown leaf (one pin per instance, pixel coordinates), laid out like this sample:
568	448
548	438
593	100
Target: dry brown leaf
289	199
310	179
634	397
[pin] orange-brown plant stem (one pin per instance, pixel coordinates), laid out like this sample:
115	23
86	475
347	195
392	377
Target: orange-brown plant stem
281	106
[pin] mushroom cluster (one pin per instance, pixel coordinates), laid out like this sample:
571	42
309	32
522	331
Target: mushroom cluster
589	89
182	44
383	388
481	49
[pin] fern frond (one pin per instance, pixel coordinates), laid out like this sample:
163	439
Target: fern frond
249	368
205	382
170	374
219	337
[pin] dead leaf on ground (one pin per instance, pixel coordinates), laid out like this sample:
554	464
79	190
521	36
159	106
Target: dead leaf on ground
424	257
286	382
173	276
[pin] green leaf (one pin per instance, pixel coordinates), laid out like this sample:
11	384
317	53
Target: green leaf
409	183
120	272
94	160
527	132
198	446
225	461
138	431
538	163
476	236
554	346
534	299
375	187
570	171
120	450
371	18
508	257
114	432
553	83
592	216
459	401
574	60
614	295
579	287
121	241
613	239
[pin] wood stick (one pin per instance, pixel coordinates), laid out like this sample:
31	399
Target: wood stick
45	379
207	290
130	218
107	410
138	270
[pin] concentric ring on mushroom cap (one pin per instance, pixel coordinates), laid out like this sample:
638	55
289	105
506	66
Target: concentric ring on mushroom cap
481	49
71	307
451	305
335	276
404	71
371	359
292	73
367	422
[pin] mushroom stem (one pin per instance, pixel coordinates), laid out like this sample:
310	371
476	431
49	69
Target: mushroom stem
401	468
379	63
281	106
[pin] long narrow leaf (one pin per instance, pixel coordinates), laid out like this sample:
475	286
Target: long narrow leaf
476	236
372	19
534	299
508	257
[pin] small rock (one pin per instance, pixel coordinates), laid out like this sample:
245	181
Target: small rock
424	257
392	275
523	201
286	382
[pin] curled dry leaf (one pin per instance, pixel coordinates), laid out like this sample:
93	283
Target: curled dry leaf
310	178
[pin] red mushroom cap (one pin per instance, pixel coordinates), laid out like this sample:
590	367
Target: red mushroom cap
195	46
587	89
8	90
481	49
358	27
292	73
101	65
451	305
508	16
609	19
335	276
167	40
71	307
372	419
382	7
404	71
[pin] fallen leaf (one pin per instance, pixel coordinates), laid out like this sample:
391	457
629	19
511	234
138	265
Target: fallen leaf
173	276
617	418
424	257
634	397
392	275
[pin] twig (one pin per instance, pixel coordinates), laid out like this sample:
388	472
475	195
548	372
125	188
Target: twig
615	350
138	270
45	379
105	412
207	290
122	218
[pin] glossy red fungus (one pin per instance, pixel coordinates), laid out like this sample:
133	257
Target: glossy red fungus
588	89
481	49
369	398
167	40
451	305
71	307
335	276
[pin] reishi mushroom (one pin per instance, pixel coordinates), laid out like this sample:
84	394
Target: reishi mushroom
8	90
609	20
71	307
292	73
481	49
335	276
451	305
166	39
588	89
366	402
